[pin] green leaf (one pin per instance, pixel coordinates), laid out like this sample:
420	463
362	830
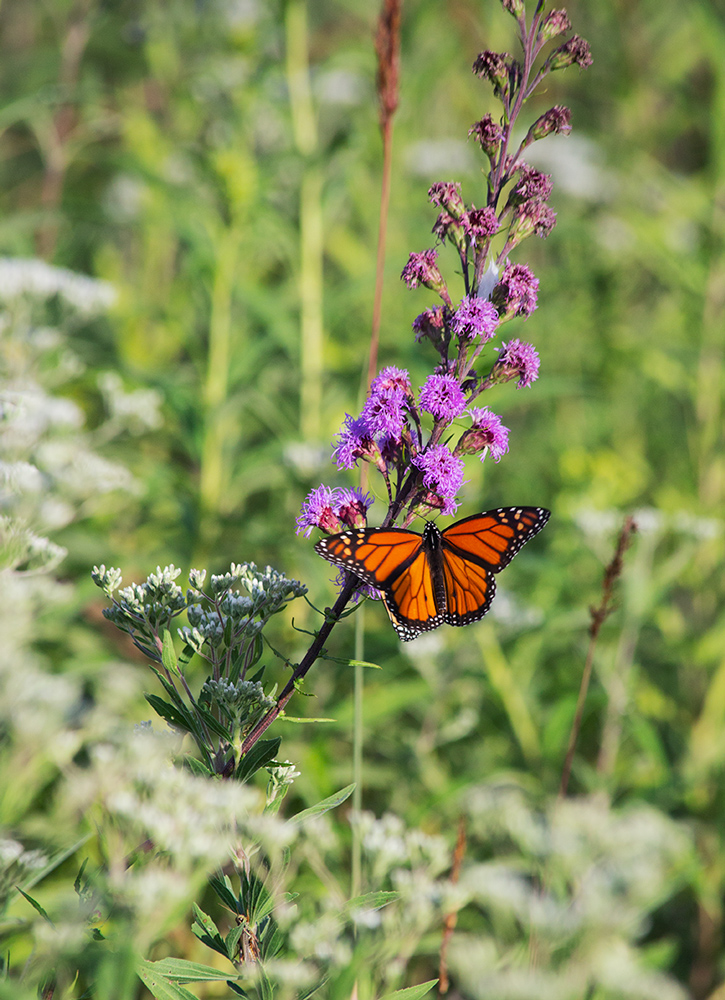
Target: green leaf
208	933
34	903
331	802
216	727
352	663
185	657
158	986
168	654
196	766
223	889
372	900
170	714
232	940
261	753
293	718
411	992
237	989
55	861
181	970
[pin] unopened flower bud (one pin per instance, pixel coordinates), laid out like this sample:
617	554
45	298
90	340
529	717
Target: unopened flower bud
489	134
556	120
514	7
555	23
575	50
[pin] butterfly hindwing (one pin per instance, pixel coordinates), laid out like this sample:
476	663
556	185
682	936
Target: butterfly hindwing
469	589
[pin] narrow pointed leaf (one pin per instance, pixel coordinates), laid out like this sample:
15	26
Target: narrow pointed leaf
36	905
331	802
168	654
261	753
411	992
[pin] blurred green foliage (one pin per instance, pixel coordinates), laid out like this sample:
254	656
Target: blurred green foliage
185	153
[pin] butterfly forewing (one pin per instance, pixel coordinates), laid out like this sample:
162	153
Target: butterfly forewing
493	538
377	555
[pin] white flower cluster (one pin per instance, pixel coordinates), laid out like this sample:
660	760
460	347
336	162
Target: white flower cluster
39	280
581	879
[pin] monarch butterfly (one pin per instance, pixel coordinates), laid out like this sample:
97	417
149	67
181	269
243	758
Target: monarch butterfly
439	576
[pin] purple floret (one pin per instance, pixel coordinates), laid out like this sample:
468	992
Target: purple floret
442	397
318	511
442	474
518	359
490	433
475	318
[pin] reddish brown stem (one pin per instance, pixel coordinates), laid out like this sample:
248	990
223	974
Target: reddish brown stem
333	614
598	616
450	921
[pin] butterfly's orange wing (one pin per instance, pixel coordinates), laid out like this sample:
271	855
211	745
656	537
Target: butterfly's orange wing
476	548
393	561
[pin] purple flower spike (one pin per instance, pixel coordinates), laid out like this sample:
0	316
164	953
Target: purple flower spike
442	397
384	413
442	475
489	432
517	360
475	318
318	511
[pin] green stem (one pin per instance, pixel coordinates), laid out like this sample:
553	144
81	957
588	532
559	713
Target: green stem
357	751
304	130
216	386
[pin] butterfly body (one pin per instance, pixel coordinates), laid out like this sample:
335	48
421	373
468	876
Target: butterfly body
435	577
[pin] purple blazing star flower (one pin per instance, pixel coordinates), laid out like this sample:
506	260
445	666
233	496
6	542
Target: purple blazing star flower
422	269
353	442
556	120
555	23
442	474
442	397
488	133
489	432
431	323
532	185
481	223
517	290
475	318
517	360
384	413
575	50
386	406
352	506
392	378
318	511
447	195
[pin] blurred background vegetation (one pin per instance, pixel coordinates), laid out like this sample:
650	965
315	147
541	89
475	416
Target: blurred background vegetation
216	163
